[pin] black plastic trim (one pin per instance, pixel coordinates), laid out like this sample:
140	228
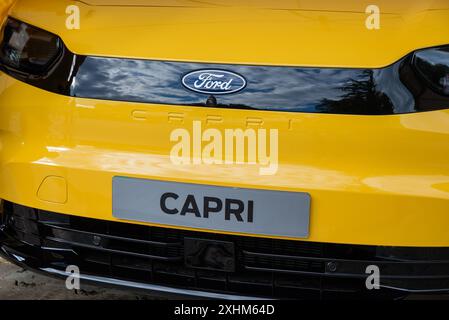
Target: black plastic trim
132	254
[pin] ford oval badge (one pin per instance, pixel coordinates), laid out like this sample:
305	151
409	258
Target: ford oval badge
213	81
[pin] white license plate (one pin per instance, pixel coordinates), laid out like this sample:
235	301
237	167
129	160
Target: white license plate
239	210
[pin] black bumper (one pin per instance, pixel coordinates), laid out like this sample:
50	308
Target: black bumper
155	259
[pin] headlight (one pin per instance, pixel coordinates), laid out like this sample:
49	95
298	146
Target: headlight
433	67
27	49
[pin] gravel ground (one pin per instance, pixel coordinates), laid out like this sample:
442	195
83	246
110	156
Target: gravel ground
19	284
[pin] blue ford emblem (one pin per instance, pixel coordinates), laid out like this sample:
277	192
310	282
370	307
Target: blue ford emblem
214	81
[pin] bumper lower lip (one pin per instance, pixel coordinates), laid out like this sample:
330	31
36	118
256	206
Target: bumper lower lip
152	287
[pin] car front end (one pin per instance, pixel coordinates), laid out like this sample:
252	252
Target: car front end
349	172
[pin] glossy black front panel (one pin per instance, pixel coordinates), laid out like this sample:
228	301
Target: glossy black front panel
268	88
391	90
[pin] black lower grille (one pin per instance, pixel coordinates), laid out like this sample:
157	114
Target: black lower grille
263	267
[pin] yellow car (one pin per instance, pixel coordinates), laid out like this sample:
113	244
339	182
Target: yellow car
228	149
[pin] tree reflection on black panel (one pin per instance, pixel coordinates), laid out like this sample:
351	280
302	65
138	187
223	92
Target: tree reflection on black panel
360	97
